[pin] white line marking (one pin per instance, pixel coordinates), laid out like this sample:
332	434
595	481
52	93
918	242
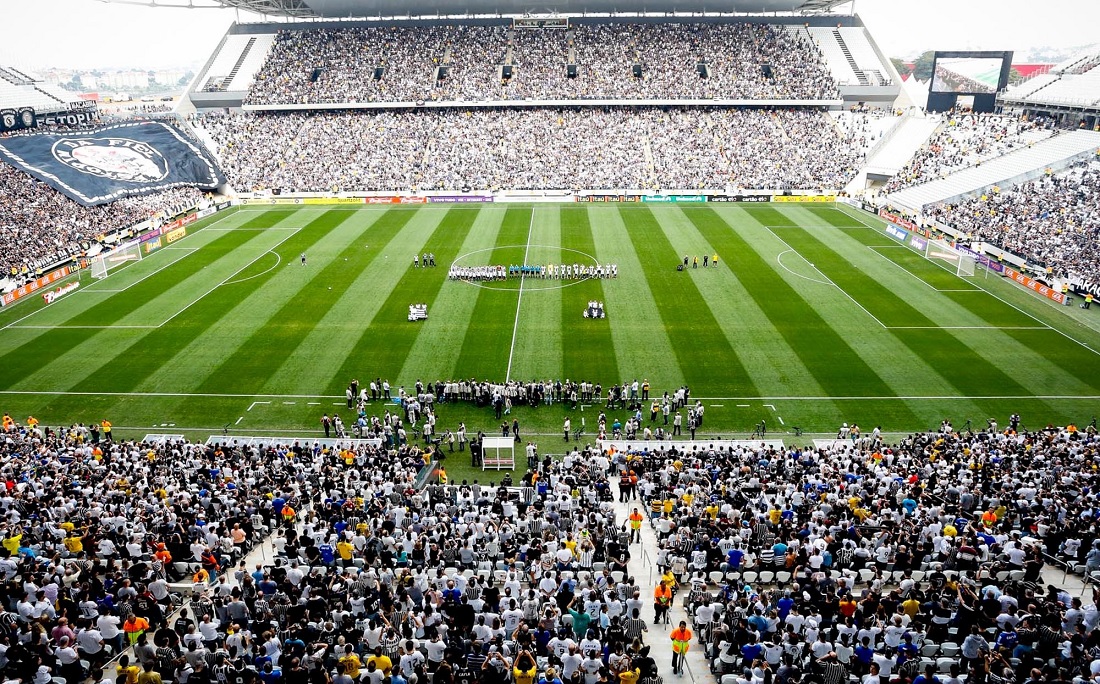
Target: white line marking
239	420
742	406
519	299
779	260
781	420
718	405
257	402
231	276
584	406
288	403
842	290
278	260
316	403
771	406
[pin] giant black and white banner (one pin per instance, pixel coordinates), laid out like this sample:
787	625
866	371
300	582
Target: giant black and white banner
105	164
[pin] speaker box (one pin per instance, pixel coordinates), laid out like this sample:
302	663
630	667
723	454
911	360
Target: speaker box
767	70
701	69
442	72
571	71
378	71
506	71
637	69
315	74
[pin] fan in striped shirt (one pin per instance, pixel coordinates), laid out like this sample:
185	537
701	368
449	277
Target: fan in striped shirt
634	626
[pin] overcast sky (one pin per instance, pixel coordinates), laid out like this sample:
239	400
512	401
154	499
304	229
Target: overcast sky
90	33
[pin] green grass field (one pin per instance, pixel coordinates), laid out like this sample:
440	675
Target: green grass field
813	317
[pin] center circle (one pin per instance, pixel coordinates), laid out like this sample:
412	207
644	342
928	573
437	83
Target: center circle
514	255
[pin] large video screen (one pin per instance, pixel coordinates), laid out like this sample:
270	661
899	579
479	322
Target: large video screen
968	75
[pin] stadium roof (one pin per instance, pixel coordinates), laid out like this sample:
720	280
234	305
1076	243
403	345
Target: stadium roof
334	9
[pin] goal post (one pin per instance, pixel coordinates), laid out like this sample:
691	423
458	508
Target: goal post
954	260
106	262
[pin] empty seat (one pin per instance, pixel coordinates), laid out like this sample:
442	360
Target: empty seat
929	650
949	649
767	576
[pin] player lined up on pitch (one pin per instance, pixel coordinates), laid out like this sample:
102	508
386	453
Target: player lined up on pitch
541	271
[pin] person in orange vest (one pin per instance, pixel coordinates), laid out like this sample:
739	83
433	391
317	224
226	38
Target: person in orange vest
662	601
636	526
106	425
681	642
9	424
989	518
288	514
134	627
201	577
210	563
32	422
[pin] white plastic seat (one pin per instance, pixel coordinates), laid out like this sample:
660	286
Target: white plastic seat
767	577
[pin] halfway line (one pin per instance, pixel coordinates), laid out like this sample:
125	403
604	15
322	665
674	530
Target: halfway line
519	300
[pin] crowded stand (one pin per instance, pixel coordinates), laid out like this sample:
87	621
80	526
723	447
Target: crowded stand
854	558
449	63
39	226
966	140
1052	221
589	148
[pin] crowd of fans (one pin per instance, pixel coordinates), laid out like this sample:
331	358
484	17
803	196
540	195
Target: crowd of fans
814	564
920	561
649	148
447	63
1052	221
967	140
39	226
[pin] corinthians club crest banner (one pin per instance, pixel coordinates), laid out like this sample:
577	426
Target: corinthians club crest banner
108	163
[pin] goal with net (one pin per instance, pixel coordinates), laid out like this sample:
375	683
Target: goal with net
958	262
103	264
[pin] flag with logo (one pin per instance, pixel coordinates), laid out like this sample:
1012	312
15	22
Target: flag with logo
108	163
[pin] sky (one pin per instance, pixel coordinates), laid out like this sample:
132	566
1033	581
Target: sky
94	34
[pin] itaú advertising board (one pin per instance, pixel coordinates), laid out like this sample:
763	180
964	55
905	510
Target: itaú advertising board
24	290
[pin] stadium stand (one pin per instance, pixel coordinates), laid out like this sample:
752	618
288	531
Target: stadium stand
467	63
963	141
1052	221
1074	82
236	62
1055	153
542	148
850	56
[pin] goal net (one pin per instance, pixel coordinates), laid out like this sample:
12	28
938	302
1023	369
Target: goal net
952	259
103	264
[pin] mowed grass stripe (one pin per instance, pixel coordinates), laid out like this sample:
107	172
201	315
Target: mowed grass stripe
1080	362
328	346
77	364
488	340
385	343
705	355
969	372
436	348
539	343
588	351
773	366
323	242
821	349
21	361
170	355
255	360
642	345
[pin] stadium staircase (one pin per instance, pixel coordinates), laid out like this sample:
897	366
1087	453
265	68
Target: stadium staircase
1019	166
14	77
895	149
859	74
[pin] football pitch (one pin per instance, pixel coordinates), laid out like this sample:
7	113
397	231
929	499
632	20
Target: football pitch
813	317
